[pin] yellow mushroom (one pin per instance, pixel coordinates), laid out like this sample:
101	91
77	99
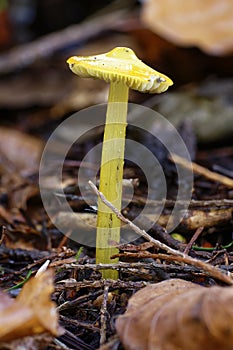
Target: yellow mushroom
120	65
123	70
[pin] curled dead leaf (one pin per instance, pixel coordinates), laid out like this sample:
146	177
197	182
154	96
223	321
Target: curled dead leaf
32	312
178	315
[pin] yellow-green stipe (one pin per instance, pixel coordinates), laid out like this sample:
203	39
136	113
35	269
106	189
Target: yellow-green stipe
111	175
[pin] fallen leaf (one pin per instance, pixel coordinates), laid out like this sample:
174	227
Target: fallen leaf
22	236
20	152
19	197
178	315
205	24
31	313
37	342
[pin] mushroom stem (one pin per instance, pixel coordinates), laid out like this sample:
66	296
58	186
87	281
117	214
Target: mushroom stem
111	175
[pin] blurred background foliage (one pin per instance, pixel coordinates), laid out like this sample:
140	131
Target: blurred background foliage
191	42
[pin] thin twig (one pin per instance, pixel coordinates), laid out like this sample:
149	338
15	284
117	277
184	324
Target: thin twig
113	284
113	343
211	175
69	321
134	227
193	239
78	301
211	270
177	255
74	342
103	317
115	266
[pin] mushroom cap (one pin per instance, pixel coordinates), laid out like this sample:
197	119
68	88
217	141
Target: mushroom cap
120	65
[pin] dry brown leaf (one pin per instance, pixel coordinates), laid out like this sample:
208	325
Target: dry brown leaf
37	342
31	313
206	24
20	152
178	315
19	197
22	236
